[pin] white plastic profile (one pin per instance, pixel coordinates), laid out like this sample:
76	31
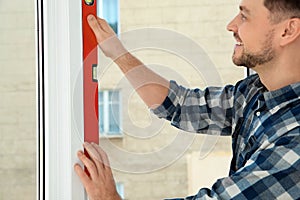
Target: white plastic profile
60	106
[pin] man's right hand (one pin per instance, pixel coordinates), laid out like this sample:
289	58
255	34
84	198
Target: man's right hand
106	37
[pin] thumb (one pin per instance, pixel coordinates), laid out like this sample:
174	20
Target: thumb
93	23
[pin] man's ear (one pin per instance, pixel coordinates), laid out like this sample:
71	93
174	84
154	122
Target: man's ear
291	31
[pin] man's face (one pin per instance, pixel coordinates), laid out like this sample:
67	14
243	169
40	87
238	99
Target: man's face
254	34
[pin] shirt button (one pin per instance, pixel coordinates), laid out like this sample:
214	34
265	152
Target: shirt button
257	113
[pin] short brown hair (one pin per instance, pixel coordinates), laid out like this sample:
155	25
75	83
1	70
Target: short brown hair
283	9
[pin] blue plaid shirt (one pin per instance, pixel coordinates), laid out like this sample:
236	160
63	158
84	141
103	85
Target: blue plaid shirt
265	131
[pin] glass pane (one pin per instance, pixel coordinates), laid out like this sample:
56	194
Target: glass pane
100	99
145	135
114	96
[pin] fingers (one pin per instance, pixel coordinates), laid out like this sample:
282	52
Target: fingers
98	163
100	27
95	156
103	155
82	175
106	37
90	165
95	26
105	26
103	187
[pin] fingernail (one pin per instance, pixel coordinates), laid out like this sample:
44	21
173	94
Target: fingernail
79	153
85	143
90	17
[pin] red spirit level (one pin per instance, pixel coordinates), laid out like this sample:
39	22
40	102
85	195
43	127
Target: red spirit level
90	82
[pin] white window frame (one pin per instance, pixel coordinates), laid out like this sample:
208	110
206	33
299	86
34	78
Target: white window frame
60	109
60	125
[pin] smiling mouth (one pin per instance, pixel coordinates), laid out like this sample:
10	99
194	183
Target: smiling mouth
239	44
238	40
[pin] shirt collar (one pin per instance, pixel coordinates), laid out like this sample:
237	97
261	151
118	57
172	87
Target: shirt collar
283	96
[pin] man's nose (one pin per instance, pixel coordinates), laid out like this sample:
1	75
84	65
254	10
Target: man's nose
232	25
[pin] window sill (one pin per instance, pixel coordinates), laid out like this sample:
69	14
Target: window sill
121	136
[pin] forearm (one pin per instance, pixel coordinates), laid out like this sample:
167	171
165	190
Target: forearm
150	86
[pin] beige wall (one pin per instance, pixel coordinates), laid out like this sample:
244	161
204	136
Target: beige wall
203	21
203	172
17	100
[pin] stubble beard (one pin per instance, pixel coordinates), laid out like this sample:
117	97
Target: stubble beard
251	60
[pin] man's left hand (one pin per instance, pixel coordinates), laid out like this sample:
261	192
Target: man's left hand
100	185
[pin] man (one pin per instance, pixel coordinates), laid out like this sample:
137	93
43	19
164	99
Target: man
261	113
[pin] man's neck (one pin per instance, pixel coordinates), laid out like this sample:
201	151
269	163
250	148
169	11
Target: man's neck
279	73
